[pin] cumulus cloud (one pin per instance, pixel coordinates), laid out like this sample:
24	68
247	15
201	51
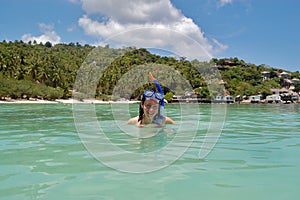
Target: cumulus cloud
143	23
48	35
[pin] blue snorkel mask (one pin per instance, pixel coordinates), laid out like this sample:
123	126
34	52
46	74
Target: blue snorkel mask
150	94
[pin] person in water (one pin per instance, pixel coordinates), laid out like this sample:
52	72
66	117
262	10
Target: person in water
151	108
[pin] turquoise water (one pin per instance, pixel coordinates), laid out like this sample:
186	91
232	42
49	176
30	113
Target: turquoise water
42	156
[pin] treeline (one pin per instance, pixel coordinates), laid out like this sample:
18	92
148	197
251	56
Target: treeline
26	89
39	70
46	71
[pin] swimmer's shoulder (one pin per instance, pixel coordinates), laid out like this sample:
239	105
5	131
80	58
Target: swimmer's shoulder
133	120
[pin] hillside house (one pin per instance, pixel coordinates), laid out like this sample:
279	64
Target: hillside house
284	75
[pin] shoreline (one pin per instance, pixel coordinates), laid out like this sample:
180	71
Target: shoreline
62	101
93	101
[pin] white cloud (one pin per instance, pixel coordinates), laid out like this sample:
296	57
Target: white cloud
134	11
48	35
220	46
224	2
74	1
144	23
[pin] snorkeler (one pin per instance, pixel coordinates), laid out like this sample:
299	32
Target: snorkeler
151	108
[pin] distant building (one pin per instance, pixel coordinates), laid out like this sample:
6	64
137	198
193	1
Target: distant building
284	75
279	91
255	98
274	98
265	75
224	99
290	97
295	81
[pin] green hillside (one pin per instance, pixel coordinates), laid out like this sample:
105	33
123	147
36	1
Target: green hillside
46	71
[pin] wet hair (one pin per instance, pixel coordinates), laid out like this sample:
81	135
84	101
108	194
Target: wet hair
141	110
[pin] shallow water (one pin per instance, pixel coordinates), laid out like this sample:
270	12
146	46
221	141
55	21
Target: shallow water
44	156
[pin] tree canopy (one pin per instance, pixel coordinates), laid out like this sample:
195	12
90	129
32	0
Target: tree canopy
49	71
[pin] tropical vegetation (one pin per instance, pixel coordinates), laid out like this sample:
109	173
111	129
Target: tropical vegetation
46	71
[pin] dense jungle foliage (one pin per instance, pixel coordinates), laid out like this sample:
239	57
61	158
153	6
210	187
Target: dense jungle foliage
46	71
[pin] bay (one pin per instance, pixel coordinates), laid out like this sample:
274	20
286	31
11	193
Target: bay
44	156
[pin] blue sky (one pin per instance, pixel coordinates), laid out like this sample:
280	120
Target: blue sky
257	31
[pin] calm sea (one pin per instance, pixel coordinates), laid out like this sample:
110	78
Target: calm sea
44	156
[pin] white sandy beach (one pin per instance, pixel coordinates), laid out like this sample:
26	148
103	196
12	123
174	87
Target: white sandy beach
21	101
91	101
63	101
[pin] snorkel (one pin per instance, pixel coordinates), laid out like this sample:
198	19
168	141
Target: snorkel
159	120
